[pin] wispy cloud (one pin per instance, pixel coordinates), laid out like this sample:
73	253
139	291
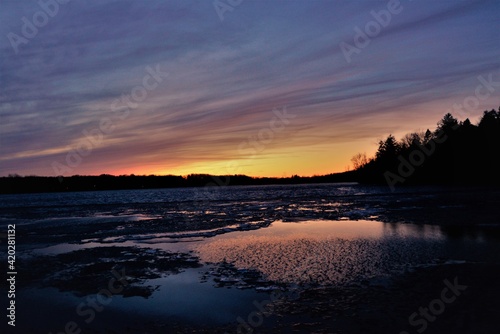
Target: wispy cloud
226	77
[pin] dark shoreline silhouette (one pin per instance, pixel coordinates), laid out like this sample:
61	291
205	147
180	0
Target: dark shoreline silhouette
455	153
37	184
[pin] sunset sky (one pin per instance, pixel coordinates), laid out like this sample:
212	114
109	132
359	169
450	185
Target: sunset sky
207	85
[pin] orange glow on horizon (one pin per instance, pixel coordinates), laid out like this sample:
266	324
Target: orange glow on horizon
305	162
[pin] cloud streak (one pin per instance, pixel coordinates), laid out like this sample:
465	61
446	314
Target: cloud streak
225	78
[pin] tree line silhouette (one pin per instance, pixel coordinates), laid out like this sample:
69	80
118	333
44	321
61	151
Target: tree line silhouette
35	184
456	152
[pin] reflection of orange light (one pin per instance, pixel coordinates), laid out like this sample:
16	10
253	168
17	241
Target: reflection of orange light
334	251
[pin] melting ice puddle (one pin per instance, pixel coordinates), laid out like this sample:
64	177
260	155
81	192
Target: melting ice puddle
66	247
325	252
183	298
179	299
94	219
345	229
328	252
306	252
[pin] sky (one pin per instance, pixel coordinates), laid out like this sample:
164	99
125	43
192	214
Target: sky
262	88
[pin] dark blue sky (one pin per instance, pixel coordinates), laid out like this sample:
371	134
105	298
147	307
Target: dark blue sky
88	69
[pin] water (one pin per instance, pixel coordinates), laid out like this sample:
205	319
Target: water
295	237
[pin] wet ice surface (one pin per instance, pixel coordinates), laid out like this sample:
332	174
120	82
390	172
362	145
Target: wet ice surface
255	239
327	252
285	255
110	216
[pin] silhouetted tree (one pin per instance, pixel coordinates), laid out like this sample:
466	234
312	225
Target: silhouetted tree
490	121
359	161
387	149
455	153
412	140
447	124
427	136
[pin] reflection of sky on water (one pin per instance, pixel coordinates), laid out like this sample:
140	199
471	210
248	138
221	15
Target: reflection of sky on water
313	238
322	251
347	230
183	297
65	247
329	252
180	298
